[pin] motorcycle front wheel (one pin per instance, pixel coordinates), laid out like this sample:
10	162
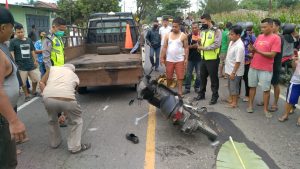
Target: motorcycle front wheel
210	133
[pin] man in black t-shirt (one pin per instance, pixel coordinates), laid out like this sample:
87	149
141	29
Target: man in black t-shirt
193	60
22	50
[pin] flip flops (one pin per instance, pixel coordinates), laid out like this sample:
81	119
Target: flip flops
268	115
231	106
273	109
260	104
133	138
282	119
250	110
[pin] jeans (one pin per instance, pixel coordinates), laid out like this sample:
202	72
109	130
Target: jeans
189	74
42	69
209	68
157	53
8	156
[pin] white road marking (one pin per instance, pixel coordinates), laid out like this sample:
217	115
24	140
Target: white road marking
93	129
27	103
140	118
105	107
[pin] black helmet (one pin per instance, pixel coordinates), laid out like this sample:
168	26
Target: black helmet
288	28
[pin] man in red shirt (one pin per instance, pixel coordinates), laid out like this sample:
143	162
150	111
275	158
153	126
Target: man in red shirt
266	46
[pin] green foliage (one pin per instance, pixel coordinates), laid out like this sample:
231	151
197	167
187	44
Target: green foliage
287	3
79	11
172	7
284	15
236	155
264	4
145	9
255	4
218	6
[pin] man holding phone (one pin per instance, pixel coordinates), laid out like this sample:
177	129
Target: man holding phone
265	48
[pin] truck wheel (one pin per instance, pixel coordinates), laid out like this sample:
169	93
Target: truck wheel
82	90
108	50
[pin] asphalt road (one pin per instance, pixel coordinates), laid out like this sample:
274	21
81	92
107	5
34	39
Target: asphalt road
108	117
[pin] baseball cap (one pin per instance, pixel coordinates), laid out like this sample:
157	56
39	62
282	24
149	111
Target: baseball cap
6	16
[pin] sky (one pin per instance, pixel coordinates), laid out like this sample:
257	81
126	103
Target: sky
129	4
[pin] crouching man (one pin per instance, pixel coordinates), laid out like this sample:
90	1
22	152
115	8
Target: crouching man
58	88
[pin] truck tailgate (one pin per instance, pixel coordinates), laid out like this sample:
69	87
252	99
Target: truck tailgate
107	70
95	61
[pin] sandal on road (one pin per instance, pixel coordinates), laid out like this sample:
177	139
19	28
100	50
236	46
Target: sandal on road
83	148
268	115
273	109
260	104
231	106
283	119
132	137
250	110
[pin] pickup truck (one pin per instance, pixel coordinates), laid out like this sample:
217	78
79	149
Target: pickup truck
99	53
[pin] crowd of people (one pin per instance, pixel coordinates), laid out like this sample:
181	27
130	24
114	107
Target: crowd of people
233	53
41	58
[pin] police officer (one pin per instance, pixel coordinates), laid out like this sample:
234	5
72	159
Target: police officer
211	38
53	46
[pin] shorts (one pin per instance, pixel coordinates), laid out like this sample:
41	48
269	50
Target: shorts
261	77
33	75
293	93
222	58
234	85
179	70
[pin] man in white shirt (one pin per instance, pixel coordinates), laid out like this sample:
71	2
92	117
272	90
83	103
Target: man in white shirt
164	30
175	54
58	88
234	64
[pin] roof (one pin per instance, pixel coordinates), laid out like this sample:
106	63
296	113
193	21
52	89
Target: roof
38	4
41	4
121	14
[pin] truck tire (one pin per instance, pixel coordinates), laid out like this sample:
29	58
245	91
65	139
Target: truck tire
82	90
108	50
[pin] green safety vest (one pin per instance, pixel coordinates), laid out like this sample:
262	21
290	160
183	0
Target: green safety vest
207	39
57	52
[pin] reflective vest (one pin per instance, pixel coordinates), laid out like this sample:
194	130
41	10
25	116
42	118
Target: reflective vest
207	39
57	53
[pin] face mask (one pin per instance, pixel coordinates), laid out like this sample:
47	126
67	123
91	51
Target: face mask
204	26
59	33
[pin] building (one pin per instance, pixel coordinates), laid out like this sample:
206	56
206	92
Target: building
39	14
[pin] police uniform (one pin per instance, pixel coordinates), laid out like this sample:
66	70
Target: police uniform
53	51
209	63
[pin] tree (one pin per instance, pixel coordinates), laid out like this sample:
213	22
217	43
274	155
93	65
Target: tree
287	3
145	9
218	6
80	10
256	4
172	7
